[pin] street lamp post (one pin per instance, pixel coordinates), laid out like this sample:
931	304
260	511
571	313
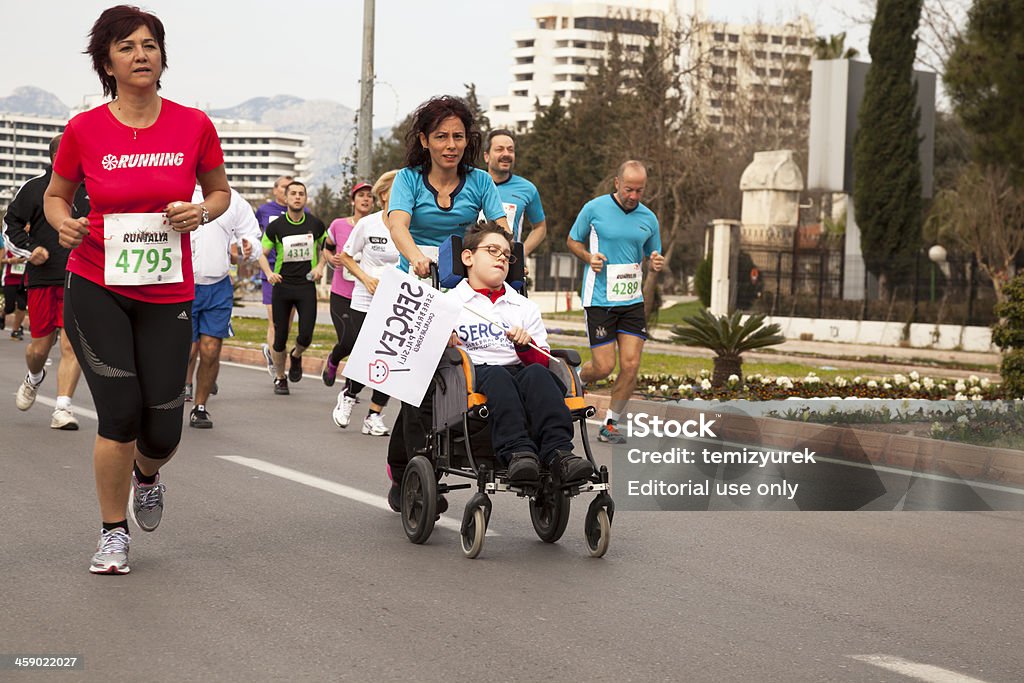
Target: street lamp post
364	140
937	255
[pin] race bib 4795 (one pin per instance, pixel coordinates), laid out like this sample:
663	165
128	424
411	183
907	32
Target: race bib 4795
140	249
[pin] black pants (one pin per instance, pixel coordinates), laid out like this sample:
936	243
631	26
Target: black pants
303	298
134	355
15	296
347	323
543	429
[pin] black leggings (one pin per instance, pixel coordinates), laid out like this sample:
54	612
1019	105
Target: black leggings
303	298
347	323
134	355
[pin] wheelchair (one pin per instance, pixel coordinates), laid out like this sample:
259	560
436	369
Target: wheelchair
459	446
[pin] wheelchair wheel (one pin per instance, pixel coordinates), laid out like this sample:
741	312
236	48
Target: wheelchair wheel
475	528
598	529
549	512
419	499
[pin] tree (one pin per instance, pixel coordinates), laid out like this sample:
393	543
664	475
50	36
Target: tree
887	168
327	205
983	76
544	155
984	214
833	47
389	151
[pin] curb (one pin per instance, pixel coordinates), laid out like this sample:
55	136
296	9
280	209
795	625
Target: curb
919	454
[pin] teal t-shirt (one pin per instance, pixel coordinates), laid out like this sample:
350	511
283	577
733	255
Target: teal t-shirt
429	224
625	238
520	193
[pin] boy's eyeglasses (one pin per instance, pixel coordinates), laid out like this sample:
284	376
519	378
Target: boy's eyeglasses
498	252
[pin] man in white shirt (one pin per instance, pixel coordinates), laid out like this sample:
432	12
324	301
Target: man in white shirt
212	245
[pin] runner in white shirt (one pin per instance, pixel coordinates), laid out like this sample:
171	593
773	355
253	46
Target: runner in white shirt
368	251
212	245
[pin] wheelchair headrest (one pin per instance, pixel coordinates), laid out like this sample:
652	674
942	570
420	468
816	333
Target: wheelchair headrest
451	270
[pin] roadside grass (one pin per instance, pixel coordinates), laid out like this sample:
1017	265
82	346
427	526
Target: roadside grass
251	332
673	315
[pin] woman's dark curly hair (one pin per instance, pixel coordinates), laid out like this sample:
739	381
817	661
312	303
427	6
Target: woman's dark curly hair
426	119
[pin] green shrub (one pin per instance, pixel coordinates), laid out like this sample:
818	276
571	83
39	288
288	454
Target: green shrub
1008	335
702	281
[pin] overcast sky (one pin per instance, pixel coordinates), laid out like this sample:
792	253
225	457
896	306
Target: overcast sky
222	52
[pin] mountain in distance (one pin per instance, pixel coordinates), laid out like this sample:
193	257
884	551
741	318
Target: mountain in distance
329	125
33	101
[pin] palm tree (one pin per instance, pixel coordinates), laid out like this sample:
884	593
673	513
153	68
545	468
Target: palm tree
832	47
728	336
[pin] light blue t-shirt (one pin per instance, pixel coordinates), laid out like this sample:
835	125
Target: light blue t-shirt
625	238
430	225
520	193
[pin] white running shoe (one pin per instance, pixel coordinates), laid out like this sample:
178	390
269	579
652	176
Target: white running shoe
147	508
63	419
26	395
374	425
111	553
342	412
270	360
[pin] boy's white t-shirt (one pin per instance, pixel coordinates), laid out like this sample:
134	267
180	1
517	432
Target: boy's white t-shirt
486	343
371	242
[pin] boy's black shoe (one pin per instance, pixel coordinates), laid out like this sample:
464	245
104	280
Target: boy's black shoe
281	387
523	468
295	368
395	497
567	468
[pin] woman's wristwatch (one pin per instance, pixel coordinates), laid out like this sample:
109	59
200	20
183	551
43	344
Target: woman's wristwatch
206	215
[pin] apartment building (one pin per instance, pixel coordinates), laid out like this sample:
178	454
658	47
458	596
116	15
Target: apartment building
745	72
24	150
566	42
753	76
254	155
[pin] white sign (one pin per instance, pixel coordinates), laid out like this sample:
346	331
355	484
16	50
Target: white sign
140	249
18	268
403	336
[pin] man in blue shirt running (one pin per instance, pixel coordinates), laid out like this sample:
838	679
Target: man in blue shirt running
613	234
518	195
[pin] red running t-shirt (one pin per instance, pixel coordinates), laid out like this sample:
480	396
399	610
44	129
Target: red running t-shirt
136	170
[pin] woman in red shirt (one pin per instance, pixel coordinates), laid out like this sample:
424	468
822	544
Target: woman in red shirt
128	299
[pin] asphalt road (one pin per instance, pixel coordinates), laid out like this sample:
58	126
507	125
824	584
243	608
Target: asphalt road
276	560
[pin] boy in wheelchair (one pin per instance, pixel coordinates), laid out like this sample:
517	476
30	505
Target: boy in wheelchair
509	372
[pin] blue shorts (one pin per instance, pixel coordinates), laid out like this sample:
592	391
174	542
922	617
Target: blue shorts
211	310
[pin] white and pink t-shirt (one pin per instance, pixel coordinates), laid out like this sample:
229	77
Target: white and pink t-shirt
136	170
339	231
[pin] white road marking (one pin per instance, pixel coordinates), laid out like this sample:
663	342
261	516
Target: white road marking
922	672
379	502
261	368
